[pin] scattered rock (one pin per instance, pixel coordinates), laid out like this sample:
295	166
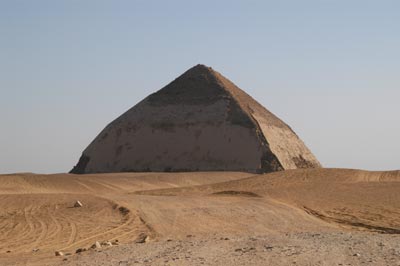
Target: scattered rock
35	250
123	210
79	250
357	255
78	204
244	250
143	239
96	245
8	251
59	253
106	244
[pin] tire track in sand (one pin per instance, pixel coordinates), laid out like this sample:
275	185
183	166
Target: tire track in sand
43	231
115	233
73	234
58	226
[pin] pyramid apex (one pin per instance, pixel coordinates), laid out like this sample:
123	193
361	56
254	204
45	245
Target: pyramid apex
200	68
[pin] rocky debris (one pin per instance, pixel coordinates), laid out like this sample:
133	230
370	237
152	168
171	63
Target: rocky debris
99	245
59	253
106	243
143	239
245	249
96	245
268	248
272	249
123	210
80	250
78	204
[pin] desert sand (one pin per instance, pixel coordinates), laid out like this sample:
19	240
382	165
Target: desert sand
294	217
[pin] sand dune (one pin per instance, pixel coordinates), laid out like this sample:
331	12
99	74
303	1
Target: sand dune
37	215
362	199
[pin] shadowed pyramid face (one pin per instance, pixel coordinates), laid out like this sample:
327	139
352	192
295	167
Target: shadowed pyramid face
199	122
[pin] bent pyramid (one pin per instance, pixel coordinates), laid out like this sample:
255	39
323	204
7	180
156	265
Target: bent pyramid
199	122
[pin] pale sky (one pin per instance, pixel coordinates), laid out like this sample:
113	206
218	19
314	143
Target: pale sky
330	69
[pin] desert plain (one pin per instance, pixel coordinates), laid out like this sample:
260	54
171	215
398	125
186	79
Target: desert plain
293	217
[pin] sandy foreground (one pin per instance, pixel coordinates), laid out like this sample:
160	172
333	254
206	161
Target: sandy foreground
294	217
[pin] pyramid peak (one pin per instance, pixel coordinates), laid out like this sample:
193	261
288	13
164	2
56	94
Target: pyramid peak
201	66
199	84
199	69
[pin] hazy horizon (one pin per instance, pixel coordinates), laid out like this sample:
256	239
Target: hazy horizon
329	69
